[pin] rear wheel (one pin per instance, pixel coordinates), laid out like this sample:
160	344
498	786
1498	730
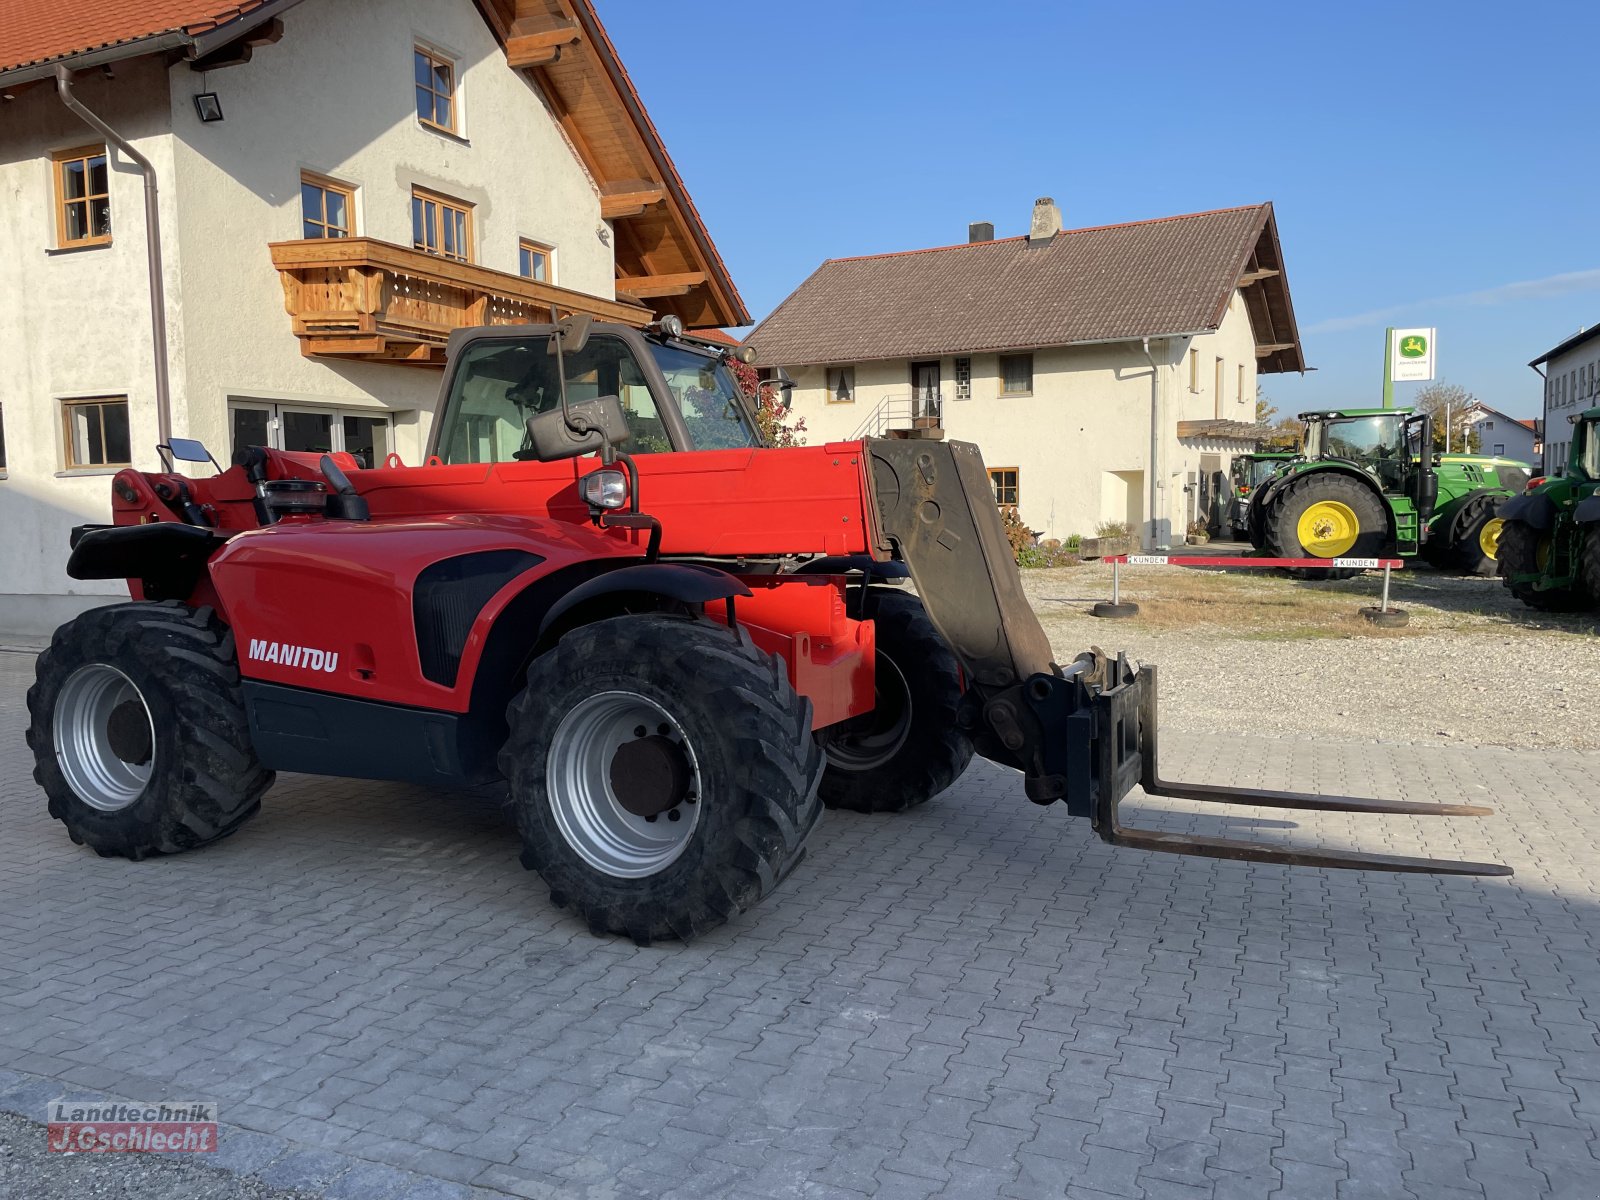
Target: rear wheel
1589	569
908	749
1326	515
1477	540
1524	551
663	774
138	730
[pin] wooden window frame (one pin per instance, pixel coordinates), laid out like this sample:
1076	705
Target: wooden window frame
1016	486
58	171
437	59
2	441
1194	370
1219	383
1000	374
530	246
326	183
68	454
963	376
446	202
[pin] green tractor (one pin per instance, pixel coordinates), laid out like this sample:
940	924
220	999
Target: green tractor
1550	540
1362	488
1249	472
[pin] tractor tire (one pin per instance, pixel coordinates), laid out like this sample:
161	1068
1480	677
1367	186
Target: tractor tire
1323	498
138	730
1519	553
908	749
1477	540
1589	563
663	775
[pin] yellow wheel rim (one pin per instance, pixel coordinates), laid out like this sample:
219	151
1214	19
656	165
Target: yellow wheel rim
1328	529
1489	537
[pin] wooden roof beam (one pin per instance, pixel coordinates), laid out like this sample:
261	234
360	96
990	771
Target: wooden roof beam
535	44
1269	349
642	286
630	198
1257	276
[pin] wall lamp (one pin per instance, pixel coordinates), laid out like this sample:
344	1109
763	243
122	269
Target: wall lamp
208	106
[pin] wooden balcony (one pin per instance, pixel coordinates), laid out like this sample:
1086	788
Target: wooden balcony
365	299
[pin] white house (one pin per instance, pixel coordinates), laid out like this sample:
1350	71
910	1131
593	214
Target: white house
1570	372
338	184
1502	435
1108	374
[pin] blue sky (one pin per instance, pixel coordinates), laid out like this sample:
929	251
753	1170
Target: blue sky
1431	163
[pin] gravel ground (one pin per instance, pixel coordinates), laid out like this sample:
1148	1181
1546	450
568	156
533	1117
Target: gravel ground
1258	653
30	1172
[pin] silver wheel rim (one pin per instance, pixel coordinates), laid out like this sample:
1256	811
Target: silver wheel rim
90	755
864	750
578	778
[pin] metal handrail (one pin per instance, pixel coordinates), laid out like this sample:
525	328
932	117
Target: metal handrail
907	411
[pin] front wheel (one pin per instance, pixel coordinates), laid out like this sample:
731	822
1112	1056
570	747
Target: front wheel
1326	515
663	774
1476	548
1524	551
908	749
138	730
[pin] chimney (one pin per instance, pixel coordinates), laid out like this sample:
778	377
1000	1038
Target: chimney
1046	221
980	231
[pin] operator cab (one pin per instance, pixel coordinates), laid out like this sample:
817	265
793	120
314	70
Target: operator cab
675	394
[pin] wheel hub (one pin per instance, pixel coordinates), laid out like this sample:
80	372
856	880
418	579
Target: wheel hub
649	775
128	733
1489	537
1328	529
104	737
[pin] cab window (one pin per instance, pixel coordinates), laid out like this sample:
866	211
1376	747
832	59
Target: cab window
499	384
708	399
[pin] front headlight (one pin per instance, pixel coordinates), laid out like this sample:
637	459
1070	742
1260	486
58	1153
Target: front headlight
604	489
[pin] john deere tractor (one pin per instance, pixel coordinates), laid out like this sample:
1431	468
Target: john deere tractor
1248	473
1550	542
1362	488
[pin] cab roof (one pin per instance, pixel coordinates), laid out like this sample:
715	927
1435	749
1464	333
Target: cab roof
1354	412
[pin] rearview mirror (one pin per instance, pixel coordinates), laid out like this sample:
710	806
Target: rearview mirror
573	332
552	439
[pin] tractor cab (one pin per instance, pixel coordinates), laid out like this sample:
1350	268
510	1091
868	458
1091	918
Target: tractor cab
1392	445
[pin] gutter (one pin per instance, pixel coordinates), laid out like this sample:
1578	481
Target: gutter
152	246
1157	457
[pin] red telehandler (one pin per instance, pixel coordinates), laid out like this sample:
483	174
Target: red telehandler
673	644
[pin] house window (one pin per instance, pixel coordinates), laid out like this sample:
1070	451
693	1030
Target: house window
362	433
1499	448
1239	391
1194	370
440	225
1488	424
436	90
1216	389
2	440
533	261
1004	482
841	385
1016	374
96	432
327	208
83	197
963	379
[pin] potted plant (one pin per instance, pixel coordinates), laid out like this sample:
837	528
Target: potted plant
1111	537
1199	534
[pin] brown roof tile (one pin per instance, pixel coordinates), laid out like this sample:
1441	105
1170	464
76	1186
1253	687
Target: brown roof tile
1110	283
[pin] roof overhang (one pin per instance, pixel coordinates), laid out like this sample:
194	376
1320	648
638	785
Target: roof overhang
1265	288
1572	343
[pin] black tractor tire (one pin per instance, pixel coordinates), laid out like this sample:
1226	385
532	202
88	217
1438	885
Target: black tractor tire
746	783
190	742
1589	563
1519	555
909	748
1465	553
1281	523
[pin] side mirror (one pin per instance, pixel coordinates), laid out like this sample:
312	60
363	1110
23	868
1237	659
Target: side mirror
573	332
1438	459
186	450
552	439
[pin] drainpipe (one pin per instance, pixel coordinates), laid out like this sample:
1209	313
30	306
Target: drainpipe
1157	457
152	247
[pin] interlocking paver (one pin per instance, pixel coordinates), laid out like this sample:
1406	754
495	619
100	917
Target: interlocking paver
972	999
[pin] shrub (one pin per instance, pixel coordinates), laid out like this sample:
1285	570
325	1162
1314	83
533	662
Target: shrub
1113	529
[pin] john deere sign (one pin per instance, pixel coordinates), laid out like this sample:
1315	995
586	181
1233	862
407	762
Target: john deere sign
1411	358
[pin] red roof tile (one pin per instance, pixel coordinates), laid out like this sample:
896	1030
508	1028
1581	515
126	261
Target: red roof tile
31	31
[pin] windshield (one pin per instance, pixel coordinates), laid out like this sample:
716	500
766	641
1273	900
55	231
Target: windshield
1260	468
1361	439
707	397
500	383
1588	457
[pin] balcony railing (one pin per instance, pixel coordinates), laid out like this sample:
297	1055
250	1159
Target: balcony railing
366	299
904	415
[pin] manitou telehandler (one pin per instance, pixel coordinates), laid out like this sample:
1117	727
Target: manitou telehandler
672	644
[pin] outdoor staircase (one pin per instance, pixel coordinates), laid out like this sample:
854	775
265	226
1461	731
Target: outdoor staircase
908	416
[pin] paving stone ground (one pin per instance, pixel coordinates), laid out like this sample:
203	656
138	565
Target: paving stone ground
975	999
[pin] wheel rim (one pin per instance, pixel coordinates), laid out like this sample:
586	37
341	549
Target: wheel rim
880	734
624	784
1489	537
1328	529
105	738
